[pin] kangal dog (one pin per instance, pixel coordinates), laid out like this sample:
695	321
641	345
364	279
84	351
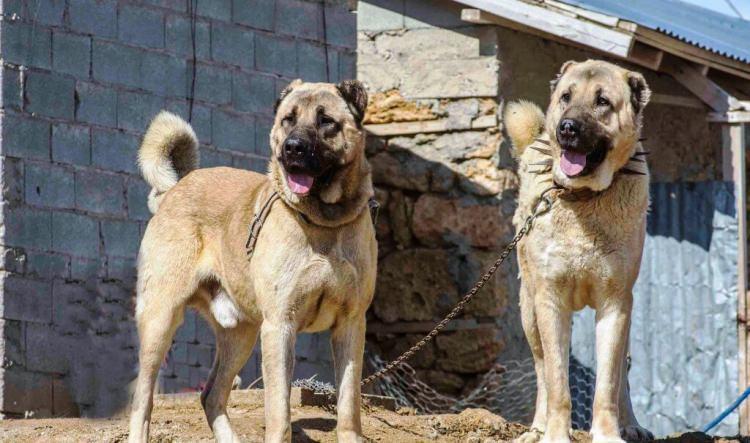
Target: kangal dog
586	251
312	265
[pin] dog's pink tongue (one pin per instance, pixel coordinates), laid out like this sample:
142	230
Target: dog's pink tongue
300	183
572	163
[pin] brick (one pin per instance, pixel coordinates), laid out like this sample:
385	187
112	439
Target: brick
232	45
97	17
299	18
12	180
122	269
28	228
234	132
121	238
341	26
311	61
27	300
100	193
273	54
201	121
96	104
380	15
141	26
26	392
253	93
135	110
213	84
50	95
216	9
28	45
25	137
114	150
263	127
179	40
12	95
71	54
75	234
45	265
71	144
137	198
212	158
258	14
49	185
163	74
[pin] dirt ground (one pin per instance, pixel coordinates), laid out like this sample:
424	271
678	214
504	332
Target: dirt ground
179	418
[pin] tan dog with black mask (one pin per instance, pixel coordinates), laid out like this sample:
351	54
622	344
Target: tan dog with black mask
586	251
312	268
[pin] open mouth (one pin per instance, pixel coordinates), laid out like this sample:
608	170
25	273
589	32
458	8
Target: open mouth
300	184
576	164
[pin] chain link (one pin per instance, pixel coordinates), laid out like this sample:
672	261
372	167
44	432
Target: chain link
542	205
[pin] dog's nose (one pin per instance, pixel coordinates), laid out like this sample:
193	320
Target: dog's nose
568	130
296	147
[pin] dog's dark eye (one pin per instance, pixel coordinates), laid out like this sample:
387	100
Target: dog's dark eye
325	120
601	101
565	98
288	120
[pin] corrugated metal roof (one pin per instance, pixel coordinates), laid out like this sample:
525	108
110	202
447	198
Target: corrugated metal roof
706	29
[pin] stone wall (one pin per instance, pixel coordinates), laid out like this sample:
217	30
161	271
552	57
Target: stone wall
80	81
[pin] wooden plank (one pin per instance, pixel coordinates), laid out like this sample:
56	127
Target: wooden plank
428	126
677	100
729	117
709	92
574	29
647	56
594	16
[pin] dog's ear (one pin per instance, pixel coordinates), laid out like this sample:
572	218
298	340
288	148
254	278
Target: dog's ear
565	66
639	91
353	91
289	88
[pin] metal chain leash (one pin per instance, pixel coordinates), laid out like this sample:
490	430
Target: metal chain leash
543	204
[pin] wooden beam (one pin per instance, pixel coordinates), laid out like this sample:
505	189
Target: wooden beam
692	79
729	117
427	126
677	100
647	56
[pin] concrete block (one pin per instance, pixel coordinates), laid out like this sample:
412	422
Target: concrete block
198	377
12	342
114	150
200	355
311	62
179	41
96	104
12	95
25	137
276	55
213	84
71	144
44	12
115	63
175	5
201	121
216	9
250	163
141	26
71	54
163	74
258	14
232	45
97	17
187	332
121	238
437	14
137	197
63	403
263	127
204	333
178	353
211	158
99	192
47	266
27	45
333	63
28	228
47	350
26	392
347	66
49	185
50	94
182	374
253	93
300	19
233	131
73	307
12	180
135	111
86	269
341	26
27	300
121	269
75	234
380	15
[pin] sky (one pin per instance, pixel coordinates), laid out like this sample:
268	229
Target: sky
743	6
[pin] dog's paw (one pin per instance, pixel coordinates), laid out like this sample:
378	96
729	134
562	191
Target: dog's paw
603	438
349	437
636	433
530	436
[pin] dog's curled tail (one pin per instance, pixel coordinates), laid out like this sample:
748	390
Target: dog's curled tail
169	151
524	122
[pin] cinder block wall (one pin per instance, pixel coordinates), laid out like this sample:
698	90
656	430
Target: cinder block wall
80	81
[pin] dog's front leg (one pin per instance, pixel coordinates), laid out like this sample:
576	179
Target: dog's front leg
277	341
348	340
612	326
554	322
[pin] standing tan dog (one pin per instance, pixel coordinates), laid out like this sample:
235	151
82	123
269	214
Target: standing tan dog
312	268
586	251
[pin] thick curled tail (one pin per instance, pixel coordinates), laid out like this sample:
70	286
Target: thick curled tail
169	151
524	121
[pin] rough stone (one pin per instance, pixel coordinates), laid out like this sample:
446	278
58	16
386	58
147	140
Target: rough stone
468	351
400	210
492	300
483	177
442	381
400	170
414	285
390	107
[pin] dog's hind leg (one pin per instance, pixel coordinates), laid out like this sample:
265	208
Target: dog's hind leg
530	328
233	347
157	323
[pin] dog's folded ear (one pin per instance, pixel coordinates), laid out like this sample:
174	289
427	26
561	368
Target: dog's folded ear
639	91
565	66
353	91
289	88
